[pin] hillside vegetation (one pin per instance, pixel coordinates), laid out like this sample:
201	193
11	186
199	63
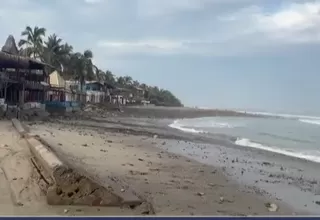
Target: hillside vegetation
78	65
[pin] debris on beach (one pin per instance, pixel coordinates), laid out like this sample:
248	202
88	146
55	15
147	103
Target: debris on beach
272	207
200	194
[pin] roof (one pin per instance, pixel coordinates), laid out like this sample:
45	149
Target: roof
19	62
94	82
10	46
56	80
138	88
9	57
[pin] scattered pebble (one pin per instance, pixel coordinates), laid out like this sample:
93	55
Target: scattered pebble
200	194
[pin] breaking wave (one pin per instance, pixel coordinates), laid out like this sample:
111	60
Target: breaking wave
308	121
197	126
311	156
177	125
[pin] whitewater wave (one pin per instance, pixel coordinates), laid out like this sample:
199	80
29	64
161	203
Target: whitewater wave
311	156
197	126
181	127
314	122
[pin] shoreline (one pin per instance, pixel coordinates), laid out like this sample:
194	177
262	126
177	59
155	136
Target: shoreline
173	183
278	175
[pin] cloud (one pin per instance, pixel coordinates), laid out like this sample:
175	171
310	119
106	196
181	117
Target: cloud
166	27
292	23
298	23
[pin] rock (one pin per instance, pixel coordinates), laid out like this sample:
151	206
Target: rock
155	136
266	163
221	199
317	202
140	159
200	194
85	145
272	207
59	144
66	211
122	190
109	141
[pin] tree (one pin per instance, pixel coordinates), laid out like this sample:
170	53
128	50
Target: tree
79	66
110	78
127	80
32	44
82	67
51	51
121	81
135	83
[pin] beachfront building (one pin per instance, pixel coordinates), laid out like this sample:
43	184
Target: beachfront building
58	89
92	91
60	98
120	96
24	81
77	94
96	92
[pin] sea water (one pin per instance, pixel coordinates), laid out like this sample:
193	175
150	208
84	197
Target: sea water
291	135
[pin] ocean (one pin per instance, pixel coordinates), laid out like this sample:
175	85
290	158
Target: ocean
292	135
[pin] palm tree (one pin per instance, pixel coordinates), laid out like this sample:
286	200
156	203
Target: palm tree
121	81
82	67
51	51
110	78
136	83
65	55
33	41
127	80
99	74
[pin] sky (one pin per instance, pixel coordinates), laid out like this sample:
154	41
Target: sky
239	54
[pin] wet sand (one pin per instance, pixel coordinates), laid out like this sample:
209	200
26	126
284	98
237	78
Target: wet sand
166	172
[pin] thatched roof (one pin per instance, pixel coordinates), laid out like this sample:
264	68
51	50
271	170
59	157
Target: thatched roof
10	46
9	57
19	62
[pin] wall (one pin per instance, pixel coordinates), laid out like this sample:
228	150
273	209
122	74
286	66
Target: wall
95	96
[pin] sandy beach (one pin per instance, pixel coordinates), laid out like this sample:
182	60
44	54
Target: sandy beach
177	172
175	185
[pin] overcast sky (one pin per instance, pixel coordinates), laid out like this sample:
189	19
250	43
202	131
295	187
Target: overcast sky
248	54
